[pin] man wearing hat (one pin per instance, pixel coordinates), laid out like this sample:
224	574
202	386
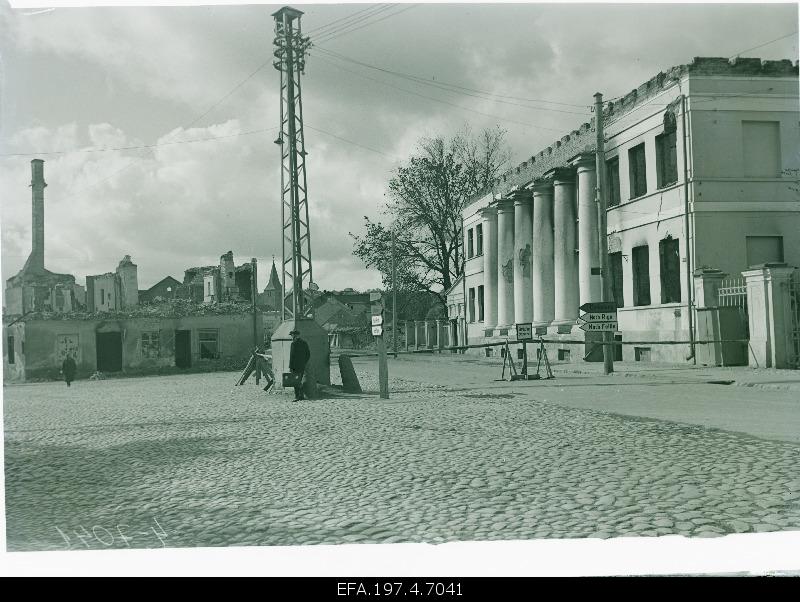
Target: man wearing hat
298	358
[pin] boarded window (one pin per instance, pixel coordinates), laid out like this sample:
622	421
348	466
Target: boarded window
470	247
472	305
480	303
209	344
764	249
151	344
637	170
612	169
670	263
761	149
479	239
666	159
615	266
640	256
10	347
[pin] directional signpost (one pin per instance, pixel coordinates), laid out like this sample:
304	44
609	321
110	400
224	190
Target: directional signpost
377	332
599	317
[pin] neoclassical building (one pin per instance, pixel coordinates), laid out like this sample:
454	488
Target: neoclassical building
702	172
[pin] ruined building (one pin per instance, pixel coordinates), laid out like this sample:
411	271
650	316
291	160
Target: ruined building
221	283
114	291
35	288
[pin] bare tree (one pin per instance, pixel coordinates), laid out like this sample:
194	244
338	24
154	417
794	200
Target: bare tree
426	198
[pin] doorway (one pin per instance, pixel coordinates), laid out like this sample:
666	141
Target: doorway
183	348
109	351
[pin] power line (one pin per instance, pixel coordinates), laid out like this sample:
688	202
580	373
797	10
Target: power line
480	94
369	8
443	85
365	14
143	146
531	125
347	31
764	44
374	150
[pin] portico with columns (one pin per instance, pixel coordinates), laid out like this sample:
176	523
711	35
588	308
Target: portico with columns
539	254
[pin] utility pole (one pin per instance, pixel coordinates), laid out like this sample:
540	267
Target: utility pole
602	225
290	49
394	295
253	292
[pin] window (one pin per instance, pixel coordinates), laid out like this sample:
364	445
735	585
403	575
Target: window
209	344
641	275
764	249
151	345
615	266
208	289
470	249
102	296
480	303
472	305
761	149
637	171
670	261
666	159
612	170
479	239
10	347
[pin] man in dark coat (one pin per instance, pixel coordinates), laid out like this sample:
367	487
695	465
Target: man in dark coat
68	367
299	355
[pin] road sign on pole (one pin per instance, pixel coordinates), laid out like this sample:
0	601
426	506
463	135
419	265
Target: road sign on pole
600	327
377	309
375	297
377	330
599	317
525	331
377	320
602	306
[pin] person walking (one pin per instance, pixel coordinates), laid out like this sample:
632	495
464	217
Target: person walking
299	355
68	368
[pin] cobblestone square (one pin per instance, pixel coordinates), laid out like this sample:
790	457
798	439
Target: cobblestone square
189	461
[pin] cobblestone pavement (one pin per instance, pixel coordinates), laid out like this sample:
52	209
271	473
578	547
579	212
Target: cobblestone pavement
193	461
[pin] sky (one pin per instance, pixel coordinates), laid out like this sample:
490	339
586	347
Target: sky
195	86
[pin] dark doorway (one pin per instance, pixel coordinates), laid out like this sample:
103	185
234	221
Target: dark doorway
183	348
109	351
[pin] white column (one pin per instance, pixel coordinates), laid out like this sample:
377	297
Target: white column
588	260
505	263
769	312
543	296
565	257
523	243
489	216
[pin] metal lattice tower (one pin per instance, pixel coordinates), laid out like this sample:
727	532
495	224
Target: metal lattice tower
290	50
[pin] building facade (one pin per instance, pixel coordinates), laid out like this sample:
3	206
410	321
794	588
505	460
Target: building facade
138	344
701	166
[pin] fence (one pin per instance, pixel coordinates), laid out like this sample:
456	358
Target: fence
733	293
794	302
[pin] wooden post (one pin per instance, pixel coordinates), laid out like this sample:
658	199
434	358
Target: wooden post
383	368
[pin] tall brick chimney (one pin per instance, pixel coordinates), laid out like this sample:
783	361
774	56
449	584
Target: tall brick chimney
36	259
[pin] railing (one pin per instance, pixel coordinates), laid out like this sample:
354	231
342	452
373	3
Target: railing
733	293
